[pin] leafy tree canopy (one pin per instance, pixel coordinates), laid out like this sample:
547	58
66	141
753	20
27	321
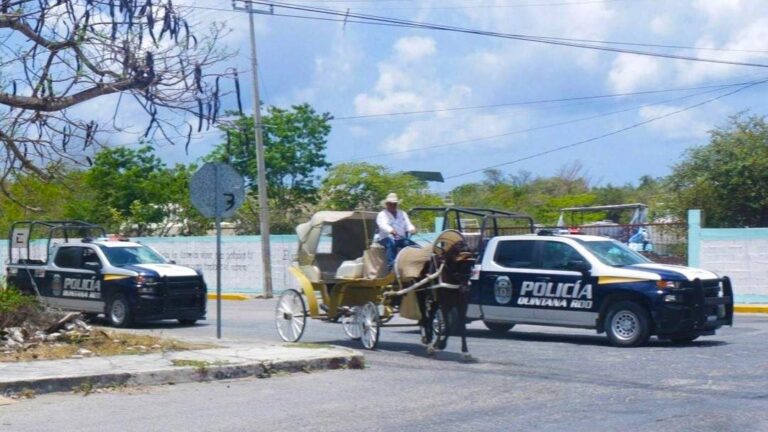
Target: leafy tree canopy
132	191
728	177
294	153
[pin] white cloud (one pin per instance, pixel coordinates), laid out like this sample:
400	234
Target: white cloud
631	72
414	48
683	125
717	10
405	84
751	37
663	25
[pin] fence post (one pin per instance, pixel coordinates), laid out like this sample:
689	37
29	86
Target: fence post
694	237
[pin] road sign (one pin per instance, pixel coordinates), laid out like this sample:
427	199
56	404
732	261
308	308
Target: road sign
217	188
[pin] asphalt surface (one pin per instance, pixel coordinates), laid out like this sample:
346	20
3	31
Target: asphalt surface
533	378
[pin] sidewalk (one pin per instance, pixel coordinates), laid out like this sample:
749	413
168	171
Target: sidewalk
237	360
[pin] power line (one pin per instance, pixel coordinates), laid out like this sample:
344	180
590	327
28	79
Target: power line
536	102
349	17
532	129
615	132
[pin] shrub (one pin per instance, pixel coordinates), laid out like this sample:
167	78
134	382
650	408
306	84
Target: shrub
16	308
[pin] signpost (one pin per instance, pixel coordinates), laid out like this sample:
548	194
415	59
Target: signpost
217	191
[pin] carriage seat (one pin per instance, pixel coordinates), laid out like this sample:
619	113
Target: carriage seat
327	264
351	269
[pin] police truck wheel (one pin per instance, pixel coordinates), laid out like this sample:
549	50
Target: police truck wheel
119	312
497	327
627	324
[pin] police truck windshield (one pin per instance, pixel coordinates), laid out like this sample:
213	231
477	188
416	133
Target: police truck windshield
130	255
614	253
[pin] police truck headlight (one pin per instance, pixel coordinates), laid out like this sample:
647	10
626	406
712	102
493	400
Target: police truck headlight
146	284
665	284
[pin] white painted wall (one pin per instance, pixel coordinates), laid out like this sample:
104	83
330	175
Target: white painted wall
745	261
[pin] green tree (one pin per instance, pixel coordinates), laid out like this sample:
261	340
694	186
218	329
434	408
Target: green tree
542	197
28	197
132	191
362	186
294	152
727	178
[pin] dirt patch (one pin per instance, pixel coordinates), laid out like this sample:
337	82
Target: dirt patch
63	336
98	343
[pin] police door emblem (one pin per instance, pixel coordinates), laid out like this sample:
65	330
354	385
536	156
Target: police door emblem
502	290
56	285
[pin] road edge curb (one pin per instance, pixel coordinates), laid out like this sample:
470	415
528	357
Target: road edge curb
751	308
181	374
236	297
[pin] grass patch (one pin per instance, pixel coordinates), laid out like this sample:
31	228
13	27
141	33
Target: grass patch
100	343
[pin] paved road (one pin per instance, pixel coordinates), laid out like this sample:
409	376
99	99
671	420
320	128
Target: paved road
534	378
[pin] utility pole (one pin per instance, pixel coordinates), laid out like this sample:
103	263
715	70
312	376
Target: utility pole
266	259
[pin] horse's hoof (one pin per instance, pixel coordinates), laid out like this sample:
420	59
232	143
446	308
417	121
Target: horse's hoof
431	351
468	358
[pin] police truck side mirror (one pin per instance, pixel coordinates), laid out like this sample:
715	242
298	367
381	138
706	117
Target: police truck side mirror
579	266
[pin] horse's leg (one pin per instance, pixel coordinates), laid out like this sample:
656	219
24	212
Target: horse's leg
463	304
426	321
446	310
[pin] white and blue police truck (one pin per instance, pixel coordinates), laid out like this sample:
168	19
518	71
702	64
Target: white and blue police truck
596	283
124	280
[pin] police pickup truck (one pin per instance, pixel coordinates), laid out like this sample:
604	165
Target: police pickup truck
595	283
124	280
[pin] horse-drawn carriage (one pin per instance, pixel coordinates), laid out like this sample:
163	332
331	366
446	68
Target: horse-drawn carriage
343	275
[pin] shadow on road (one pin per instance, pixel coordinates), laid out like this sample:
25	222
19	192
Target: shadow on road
575	339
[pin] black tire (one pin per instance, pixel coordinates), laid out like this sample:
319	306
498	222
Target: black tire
627	324
497	327
187	322
119	313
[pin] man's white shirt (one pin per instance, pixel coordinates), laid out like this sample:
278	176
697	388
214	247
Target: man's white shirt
386	221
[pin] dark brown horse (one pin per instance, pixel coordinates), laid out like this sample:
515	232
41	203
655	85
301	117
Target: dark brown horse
443	306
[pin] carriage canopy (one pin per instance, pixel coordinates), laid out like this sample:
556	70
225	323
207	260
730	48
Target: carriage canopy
351	232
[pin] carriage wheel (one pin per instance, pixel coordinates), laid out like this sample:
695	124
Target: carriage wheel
370	325
290	315
352	323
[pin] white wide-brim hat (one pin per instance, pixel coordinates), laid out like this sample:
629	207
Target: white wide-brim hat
391	198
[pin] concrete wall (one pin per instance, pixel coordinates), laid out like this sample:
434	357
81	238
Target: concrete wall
241	259
739	253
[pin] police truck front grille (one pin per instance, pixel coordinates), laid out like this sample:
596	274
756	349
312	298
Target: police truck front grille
174	284
182	292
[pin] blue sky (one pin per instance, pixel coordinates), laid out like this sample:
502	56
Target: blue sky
362	70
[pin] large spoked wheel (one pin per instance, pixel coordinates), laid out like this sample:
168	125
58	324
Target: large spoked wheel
627	324
370	324
290	315
352	324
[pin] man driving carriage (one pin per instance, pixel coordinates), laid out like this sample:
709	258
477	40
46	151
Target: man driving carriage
394	227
